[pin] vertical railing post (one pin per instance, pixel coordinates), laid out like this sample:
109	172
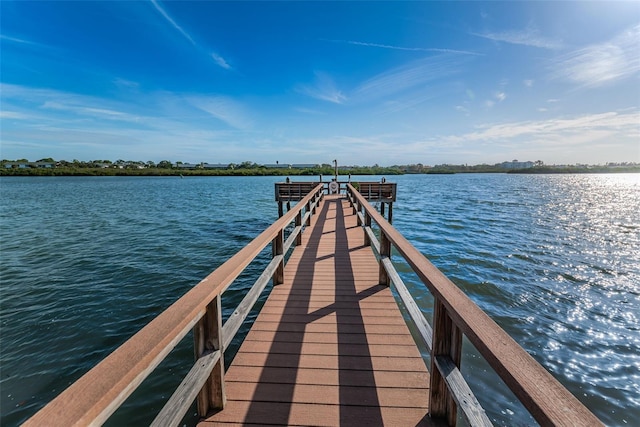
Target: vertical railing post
385	252
299	224
277	247
207	338
447	341
367	223
353	203
358	207
315	203
307	209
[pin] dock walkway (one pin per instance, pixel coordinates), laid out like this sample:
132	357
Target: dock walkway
330	346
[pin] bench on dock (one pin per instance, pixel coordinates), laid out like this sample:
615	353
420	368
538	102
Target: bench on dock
329	345
377	191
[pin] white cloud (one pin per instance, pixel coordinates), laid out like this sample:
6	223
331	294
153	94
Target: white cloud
501	96
4	114
409	49
172	22
602	63
223	108
220	61
527	37
323	89
409	76
528	83
216	57
554	130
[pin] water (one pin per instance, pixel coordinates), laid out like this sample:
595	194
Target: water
86	262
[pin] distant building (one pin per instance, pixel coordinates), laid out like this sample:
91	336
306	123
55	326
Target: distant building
25	165
186	165
277	166
214	166
515	165
303	166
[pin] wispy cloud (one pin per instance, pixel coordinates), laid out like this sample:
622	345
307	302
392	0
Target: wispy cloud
218	59
223	108
172	21
603	63
527	37
46	122
404	48
408	76
323	88
16	40
554	130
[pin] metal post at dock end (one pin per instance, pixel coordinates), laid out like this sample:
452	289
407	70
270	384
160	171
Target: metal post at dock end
277	247
385	252
447	341
207	338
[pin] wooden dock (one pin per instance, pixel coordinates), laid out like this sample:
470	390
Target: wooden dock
330	346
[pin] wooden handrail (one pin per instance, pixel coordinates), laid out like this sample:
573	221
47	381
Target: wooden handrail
545	398
99	392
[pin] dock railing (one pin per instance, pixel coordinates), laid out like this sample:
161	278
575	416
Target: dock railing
96	395
455	315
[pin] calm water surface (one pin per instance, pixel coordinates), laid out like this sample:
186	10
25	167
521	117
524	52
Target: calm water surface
86	262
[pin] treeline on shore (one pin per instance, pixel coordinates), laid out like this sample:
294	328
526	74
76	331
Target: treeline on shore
50	167
155	171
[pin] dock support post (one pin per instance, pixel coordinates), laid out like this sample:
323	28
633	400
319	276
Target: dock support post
280	210
391	213
447	341
277	247
382	209
207	338
385	252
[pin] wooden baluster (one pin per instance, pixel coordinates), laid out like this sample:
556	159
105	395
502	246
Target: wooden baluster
277	247
385	251
307	209
447	341
367	223
299	224
207	338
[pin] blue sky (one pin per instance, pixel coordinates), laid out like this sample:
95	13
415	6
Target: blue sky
309	82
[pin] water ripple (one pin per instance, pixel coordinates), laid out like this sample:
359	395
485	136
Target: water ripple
86	262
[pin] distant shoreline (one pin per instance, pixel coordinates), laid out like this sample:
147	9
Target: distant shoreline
303	173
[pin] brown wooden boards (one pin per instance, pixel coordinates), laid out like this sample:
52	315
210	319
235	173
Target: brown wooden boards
330	346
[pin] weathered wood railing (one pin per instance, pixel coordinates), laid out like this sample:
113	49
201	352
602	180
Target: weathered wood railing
456	315
97	394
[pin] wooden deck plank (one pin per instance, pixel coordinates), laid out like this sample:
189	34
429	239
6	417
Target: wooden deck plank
330	346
